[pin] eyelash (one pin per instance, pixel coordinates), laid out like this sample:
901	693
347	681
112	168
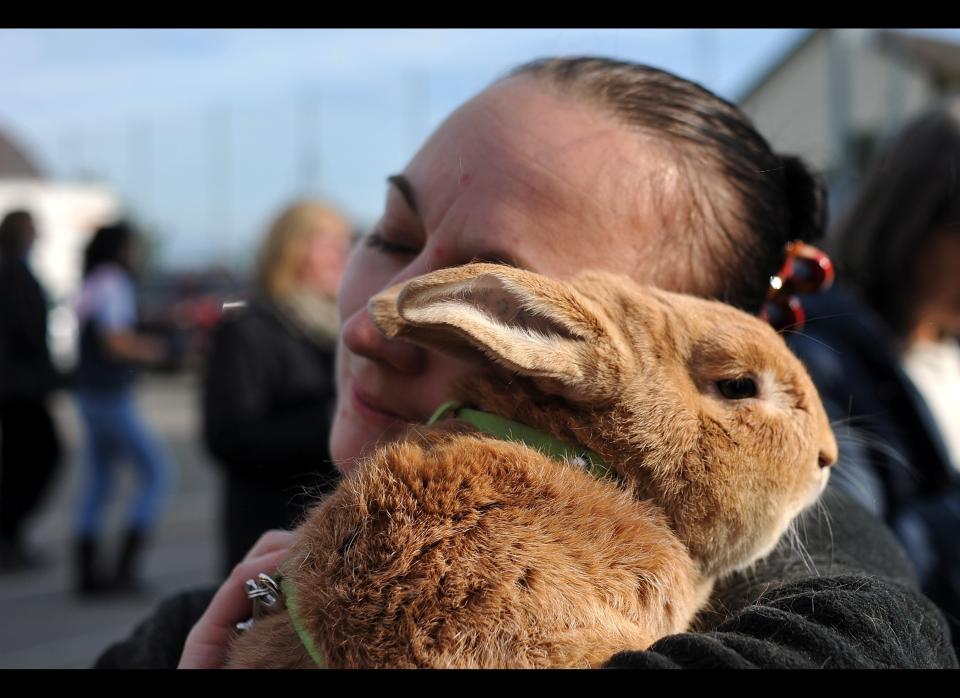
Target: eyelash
377	241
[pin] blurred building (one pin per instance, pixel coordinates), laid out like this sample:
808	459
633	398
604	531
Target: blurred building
66	214
837	92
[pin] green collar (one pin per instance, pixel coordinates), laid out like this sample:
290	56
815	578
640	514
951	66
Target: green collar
293	611
521	433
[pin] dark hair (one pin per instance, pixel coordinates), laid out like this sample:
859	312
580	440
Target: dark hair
16	233
110	243
911	192
776	198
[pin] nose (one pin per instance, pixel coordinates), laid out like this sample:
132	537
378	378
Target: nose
828	456
828	442
363	338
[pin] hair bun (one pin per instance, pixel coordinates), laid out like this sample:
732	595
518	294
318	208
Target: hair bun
807	197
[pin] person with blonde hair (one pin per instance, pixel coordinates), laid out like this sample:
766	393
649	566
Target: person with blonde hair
269	391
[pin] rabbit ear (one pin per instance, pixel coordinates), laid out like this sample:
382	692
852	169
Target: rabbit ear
531	325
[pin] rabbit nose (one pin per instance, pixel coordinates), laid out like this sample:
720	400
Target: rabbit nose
827	458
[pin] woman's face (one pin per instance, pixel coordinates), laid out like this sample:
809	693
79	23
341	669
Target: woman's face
321	265
937	292
517	175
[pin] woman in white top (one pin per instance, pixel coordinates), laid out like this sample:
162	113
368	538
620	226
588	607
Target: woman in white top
111	349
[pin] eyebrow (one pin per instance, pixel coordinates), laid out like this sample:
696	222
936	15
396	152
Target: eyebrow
403	186
406	190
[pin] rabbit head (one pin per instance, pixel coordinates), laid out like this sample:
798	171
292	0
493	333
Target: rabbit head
696	405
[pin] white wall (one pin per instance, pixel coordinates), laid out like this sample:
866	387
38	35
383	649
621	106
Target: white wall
885	92
794	109
65	215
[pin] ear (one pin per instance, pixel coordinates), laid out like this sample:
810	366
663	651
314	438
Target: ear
531	325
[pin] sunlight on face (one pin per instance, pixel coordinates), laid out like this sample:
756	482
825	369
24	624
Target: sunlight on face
517	175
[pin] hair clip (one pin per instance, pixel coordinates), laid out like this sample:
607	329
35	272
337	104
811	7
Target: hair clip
807	269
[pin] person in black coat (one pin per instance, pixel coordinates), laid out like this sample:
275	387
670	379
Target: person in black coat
269	390
30	450
882	348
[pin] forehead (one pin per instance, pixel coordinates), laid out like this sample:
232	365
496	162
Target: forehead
557	183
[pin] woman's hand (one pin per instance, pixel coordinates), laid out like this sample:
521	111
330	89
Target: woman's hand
207	643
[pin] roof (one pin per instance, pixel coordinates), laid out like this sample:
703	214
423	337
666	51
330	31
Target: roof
771	72
938	56
14	162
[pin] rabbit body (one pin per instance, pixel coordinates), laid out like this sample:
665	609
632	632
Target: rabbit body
452	548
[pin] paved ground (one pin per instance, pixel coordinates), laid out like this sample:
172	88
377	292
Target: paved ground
43	625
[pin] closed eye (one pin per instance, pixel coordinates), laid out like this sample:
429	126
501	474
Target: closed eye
377	241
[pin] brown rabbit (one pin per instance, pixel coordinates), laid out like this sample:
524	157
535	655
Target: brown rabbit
453	548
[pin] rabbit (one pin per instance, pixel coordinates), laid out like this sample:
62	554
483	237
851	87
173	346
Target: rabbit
454	548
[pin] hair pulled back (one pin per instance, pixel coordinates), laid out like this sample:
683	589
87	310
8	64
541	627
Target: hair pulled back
749	201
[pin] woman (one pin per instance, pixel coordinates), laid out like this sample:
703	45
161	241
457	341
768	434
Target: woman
883	347
269	389
111	351
565	165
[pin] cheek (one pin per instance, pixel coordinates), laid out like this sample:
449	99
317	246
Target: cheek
798	474
363	276
340	437
779	475
446	375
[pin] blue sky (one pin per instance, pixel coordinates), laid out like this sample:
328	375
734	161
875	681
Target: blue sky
206	133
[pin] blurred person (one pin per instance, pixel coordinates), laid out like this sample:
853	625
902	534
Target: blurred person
111	351
269	390
566	165
883	347
30	451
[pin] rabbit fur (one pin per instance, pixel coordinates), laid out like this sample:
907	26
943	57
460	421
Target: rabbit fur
451	548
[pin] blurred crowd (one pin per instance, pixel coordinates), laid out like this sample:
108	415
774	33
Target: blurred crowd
267	364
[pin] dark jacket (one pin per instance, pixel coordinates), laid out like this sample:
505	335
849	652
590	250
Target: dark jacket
269	399
26	371
852	603
892	456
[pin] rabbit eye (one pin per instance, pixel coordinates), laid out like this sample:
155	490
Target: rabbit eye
737	388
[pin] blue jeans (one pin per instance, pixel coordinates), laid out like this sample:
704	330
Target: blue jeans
115	431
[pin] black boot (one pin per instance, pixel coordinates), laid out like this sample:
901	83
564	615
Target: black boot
127	578
15	556
90	580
